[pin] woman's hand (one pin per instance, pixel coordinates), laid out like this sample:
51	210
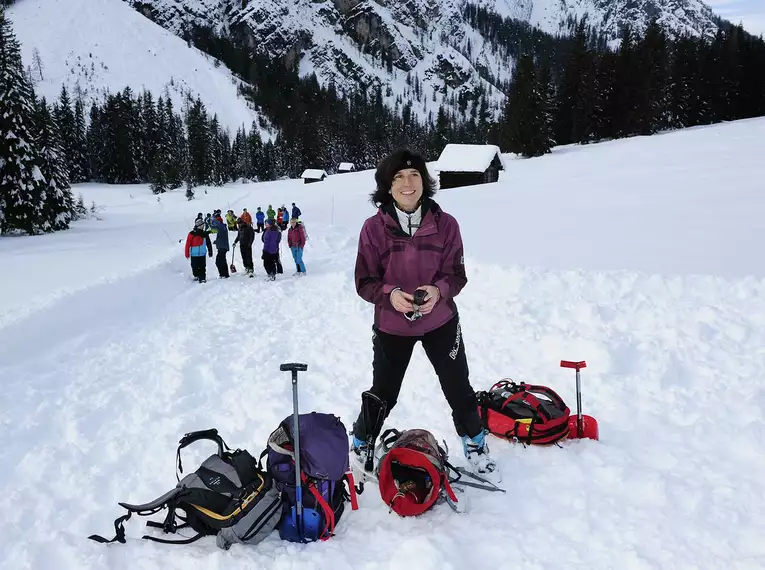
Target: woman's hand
434	294
401	301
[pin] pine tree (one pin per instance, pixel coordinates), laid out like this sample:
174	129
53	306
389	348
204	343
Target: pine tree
64	118
177	160
58	205
150	136
21	180
198	143
652	79
95	144
79	155
118	135
159	146
578	104
527	122
215	158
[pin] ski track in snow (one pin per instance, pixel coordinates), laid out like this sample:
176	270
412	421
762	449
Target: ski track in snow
99	387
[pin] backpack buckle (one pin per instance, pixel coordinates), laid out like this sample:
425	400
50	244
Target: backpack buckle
169	525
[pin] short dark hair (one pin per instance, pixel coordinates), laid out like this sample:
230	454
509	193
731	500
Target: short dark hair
388	167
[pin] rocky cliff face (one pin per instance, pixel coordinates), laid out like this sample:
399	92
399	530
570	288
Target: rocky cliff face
397	43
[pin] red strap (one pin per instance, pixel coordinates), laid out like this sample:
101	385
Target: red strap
526	397
329	514
449	490
501	384
550	393
354	499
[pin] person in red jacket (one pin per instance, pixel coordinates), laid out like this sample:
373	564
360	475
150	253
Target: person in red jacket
296	242
197	246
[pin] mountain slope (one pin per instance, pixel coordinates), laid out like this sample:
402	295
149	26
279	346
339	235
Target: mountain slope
397	43
91	47
679	17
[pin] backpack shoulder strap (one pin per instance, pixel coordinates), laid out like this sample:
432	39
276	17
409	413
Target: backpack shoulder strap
189	438
143	510
550	393
118	529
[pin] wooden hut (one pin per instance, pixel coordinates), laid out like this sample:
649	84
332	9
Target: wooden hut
468	164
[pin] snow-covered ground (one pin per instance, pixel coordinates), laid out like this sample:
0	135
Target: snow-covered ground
641	256
106	45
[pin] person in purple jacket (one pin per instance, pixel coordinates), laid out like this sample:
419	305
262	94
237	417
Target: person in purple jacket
271	238
412	245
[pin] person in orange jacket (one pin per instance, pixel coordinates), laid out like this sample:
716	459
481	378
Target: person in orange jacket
197	246
247	217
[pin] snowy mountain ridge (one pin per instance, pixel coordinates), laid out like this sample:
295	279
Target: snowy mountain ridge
392	43
94	49
424	51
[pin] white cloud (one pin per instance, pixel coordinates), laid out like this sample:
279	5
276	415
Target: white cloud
747	12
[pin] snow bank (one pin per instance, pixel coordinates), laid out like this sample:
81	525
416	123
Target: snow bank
638	256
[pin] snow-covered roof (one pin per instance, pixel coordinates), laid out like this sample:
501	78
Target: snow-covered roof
313	173
345	166
468	157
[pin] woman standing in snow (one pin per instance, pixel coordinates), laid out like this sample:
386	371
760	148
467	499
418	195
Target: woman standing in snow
271	239
412	245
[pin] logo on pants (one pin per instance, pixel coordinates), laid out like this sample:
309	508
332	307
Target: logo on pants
456	348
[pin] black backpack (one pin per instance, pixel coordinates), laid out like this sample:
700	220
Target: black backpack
229	496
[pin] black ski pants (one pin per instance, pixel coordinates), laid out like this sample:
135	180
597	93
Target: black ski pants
199	267
246	251
445	349
222	263
269	262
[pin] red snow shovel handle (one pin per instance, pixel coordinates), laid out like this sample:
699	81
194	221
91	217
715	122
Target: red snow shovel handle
572	364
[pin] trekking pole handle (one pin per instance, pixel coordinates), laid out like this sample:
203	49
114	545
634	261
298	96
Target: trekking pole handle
573	364
293	367
577	366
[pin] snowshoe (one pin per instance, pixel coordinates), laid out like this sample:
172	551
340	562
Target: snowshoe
478	456
358	460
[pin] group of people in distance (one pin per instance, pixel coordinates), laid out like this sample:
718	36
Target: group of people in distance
271	224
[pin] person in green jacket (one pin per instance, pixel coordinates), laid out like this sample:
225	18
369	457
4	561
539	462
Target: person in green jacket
231	221
270	214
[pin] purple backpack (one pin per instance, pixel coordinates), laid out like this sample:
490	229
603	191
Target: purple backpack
324	464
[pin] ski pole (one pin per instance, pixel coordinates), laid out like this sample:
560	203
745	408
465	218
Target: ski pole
294	367
577	366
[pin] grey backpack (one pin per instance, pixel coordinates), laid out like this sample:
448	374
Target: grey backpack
229	496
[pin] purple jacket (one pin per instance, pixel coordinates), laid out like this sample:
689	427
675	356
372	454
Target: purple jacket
388	258
271	239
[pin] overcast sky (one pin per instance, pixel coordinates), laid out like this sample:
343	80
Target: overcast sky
750	13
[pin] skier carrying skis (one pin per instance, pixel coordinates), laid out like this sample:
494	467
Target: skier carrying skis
197	246
426	254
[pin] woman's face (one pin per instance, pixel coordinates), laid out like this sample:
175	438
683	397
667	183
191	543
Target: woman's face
406	188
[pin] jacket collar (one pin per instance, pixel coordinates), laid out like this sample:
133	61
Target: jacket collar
431	212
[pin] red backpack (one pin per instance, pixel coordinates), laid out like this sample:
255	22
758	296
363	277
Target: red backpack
526	413
413	472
